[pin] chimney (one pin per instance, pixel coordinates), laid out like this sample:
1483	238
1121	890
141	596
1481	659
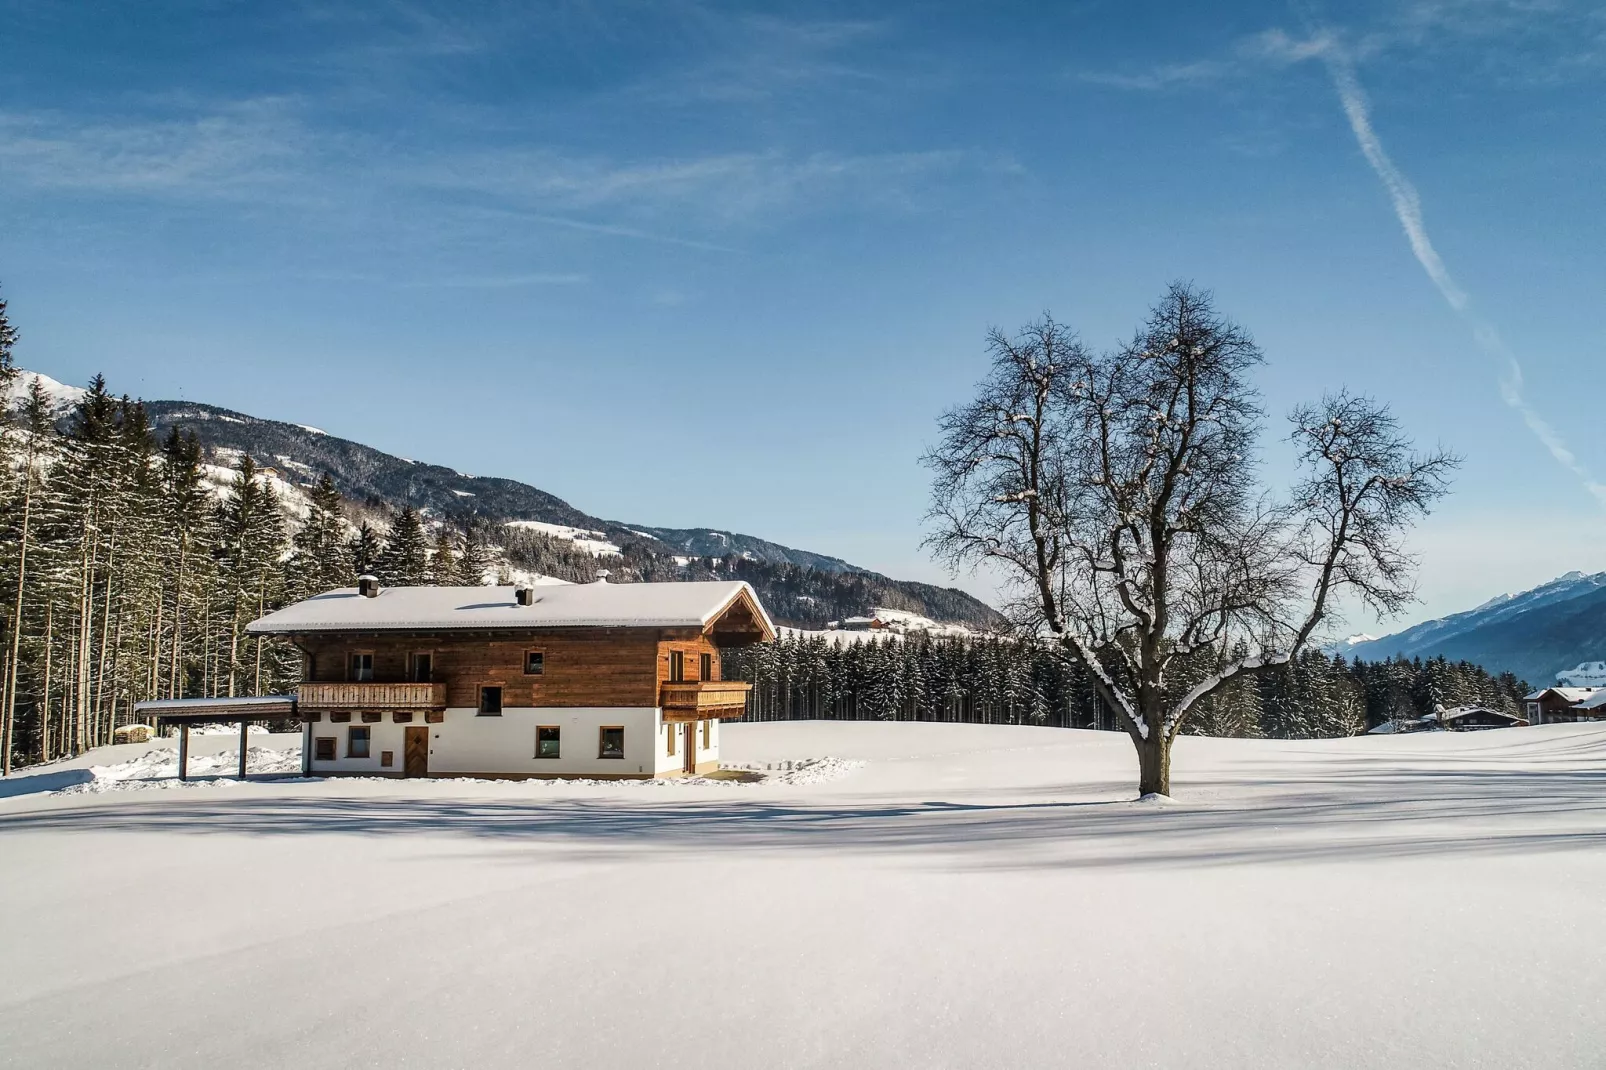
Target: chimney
525	596
602	575
368	586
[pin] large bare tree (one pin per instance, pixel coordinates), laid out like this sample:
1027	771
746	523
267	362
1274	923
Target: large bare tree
1119	494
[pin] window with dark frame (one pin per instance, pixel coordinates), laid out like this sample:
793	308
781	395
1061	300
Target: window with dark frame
357	741
534	662
705	666
612	742
490	701
323	749
423	667
386	757
362	667
677	666
548	741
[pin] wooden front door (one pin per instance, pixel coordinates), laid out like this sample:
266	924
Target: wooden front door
415	756
691	746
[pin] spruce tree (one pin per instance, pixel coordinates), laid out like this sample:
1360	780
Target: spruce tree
405	560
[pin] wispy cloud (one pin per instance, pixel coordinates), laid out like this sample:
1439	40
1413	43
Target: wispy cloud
1408	210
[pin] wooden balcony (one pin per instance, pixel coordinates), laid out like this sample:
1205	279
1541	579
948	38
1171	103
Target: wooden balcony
703	700
371	696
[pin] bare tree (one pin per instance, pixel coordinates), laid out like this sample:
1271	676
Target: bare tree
1119	494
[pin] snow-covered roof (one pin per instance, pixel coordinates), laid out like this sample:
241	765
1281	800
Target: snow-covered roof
1566	694
1459	712
580	605
1593	702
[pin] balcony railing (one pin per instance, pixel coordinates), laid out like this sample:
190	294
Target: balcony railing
702	699
371	696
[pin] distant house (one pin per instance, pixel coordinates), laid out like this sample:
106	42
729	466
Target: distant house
1560	705
1589	674
1475	718
861	624
585	680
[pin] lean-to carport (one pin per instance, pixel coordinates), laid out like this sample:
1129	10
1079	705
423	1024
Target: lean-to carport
185	712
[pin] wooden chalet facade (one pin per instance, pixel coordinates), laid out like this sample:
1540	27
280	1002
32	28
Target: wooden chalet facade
592	680
1564	705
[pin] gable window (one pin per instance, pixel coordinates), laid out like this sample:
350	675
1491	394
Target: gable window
323	749
612	743
677	666
490	701
362	667
423	668
357	741
534	662
546	741
670	730
705	666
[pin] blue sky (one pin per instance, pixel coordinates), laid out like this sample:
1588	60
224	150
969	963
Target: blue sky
720	264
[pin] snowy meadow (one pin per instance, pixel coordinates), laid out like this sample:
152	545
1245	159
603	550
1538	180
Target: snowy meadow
934	895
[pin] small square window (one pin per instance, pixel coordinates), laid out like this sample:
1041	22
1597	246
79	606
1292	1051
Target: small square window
491	701
546	741
386	757
534	662
357	741
372	716
323	749
612	743
340	717
434	716
402	716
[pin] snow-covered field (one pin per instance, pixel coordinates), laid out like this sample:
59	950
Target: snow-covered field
964	897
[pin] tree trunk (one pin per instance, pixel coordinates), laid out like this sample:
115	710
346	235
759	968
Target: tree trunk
1154	764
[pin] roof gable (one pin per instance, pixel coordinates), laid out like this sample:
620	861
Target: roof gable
589	605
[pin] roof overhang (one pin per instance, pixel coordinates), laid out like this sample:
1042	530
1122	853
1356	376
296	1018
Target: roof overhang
212	710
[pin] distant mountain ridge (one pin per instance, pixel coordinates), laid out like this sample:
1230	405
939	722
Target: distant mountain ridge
1534	634
807	588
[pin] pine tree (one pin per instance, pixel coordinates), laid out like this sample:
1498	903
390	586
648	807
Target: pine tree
443	562
319	558
476	560
405	560
366	548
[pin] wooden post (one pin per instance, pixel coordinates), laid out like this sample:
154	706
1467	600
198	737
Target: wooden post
184	751
244	724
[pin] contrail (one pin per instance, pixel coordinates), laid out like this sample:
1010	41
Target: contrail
1408	209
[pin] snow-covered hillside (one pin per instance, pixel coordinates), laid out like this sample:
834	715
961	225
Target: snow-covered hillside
62	396
968	896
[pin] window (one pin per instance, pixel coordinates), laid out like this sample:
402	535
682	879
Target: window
677	666
534	662
612	744
491	701
323	749
357	741
546	741
434	716
372	716
423	667
402	716
705	667
671	729
386	757
708	732
339	717
362	667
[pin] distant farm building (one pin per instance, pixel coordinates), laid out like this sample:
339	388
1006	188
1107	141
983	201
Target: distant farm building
1564	705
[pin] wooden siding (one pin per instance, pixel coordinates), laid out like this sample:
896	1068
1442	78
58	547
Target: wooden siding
371	696
582	667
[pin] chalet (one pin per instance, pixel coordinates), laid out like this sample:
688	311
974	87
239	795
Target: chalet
587	680
1475	718
1554	705
861	624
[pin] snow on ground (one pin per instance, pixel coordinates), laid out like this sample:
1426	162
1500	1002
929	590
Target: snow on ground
593	542
969	897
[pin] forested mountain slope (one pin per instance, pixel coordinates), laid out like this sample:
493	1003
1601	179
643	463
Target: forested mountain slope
1534	634
800	587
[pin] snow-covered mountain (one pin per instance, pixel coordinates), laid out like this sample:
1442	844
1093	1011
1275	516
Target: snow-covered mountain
1534	634
62	396
797	585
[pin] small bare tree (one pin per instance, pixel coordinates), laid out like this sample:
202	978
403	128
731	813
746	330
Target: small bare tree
1119	494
